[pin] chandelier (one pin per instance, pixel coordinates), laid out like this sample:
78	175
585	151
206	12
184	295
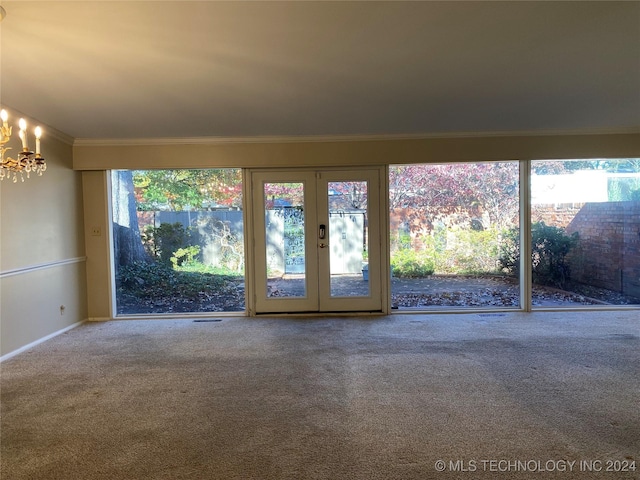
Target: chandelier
27	161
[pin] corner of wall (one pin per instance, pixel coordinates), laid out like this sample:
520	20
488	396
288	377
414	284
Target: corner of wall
42	266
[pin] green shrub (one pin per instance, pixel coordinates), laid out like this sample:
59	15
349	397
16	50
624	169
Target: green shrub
149	280
141	275
459	251
509	259
549	249
163	242
408	263
185	256
469	251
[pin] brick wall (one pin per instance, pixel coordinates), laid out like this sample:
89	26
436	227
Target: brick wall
609	252
555	215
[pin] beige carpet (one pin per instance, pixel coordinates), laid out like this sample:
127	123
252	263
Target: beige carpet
493	396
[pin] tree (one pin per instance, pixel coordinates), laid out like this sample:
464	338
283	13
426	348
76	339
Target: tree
128	246
283	194
463	191
562	167
494	188
631	165
181	189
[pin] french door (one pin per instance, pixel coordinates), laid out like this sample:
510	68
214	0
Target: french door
317	242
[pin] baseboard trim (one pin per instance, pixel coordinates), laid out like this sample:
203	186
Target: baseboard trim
39	341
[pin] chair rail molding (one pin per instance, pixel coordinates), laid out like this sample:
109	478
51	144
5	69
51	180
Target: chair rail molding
41	266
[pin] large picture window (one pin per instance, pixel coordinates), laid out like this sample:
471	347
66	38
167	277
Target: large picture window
178	241
449	227
585	224
455	237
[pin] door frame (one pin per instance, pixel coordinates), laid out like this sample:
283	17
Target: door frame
382	216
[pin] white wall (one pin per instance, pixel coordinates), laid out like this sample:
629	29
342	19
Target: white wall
42	256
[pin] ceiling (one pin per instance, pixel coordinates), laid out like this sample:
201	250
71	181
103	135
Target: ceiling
157	69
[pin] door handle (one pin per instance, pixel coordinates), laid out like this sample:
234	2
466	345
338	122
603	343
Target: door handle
324	245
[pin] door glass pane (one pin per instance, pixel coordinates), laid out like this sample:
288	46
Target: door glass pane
285	239
348	239
178	240
585	221
449	227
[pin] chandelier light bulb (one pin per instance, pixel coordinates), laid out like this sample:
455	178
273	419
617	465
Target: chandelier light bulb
38	133
27	162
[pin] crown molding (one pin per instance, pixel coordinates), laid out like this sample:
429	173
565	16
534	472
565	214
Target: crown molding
58	135
106	142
